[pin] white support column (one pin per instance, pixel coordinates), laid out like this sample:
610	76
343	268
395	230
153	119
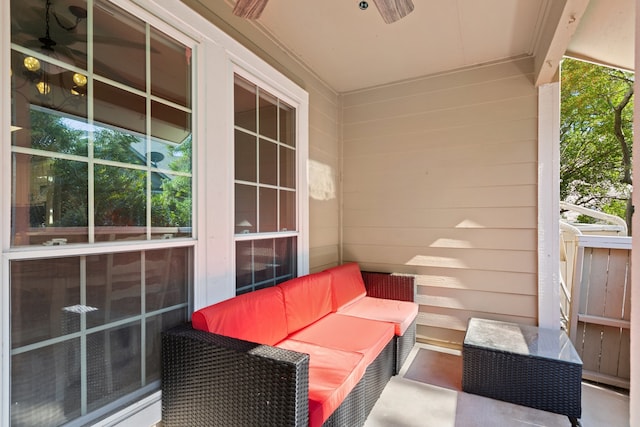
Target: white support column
549	205
634	393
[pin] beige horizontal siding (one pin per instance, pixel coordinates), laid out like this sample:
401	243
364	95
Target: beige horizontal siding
440	181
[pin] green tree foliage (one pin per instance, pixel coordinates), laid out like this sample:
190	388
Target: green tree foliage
596	137
120	192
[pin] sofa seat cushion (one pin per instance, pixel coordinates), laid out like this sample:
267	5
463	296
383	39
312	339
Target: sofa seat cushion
400	313
347	284
332	375
256	316
348	333
306	299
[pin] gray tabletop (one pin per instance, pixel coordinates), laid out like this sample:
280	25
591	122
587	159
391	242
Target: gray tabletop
521	339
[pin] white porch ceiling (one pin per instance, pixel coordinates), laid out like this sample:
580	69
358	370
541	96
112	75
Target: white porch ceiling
351	49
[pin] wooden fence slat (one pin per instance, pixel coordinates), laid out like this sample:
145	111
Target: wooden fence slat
591	347
610	351
597	280
624	365
615	283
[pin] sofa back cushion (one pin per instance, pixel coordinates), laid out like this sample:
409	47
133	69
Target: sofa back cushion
306	299
256	316
347	284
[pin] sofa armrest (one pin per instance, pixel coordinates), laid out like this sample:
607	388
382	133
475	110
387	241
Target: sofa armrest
214	380
390	286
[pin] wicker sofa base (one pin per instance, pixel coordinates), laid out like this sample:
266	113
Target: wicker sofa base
214	380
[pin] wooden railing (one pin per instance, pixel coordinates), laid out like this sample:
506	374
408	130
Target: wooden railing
599	320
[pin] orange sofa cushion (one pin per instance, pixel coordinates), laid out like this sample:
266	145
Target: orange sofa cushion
256	316
332	375
306	299
347	284
400	313
348	333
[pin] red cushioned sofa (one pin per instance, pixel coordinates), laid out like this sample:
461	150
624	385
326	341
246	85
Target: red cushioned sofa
316	350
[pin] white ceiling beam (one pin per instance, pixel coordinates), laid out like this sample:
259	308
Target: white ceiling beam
561	23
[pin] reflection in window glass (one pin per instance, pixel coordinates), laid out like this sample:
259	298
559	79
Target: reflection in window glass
41	290
70	356
119	108
118	34
170	69
170	204
244	104
120	201
94	159
262	263
265	183
49	204
113	287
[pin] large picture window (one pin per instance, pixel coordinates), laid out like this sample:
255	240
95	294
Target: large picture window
101	159
266	225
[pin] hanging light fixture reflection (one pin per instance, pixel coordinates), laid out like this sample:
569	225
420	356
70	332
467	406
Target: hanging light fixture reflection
43	87
31	64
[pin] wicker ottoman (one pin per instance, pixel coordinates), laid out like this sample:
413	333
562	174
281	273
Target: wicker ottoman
524	365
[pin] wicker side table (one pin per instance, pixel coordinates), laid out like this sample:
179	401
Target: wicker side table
525	365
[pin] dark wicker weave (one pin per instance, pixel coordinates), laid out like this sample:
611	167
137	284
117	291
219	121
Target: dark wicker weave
544	383
213	380
390	286
378	374
404	345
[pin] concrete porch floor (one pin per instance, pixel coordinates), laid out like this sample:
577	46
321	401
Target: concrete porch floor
427	393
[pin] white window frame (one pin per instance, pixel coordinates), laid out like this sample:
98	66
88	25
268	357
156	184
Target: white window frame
218	56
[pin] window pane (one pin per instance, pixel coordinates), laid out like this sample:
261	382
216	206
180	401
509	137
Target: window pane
170	69
39	85
119	146
169	125
268	162
287	167
245	157
286	264
31	22
166	278
120	203
49	201
43	294
268	210
119	108
244	264
45	385
268	115
118	34
263	261
287	210
113	287
113	364
246	209
170	205
287	124
155	326
244	104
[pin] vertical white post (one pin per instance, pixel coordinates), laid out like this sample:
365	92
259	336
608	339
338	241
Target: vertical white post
634	393
549	205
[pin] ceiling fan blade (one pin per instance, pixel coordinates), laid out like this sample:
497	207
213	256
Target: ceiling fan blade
393	10
250	9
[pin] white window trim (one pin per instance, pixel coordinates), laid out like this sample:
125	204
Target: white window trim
214	273
549	205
